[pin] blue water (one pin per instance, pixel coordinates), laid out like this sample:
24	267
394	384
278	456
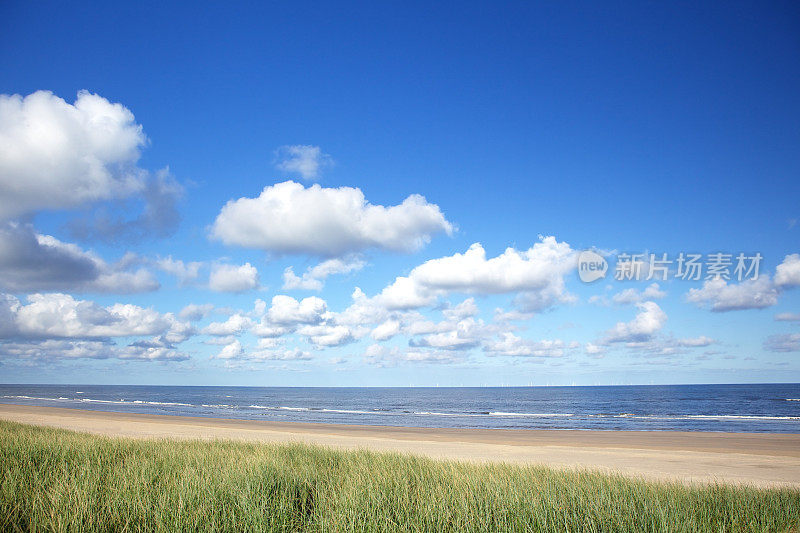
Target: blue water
773	408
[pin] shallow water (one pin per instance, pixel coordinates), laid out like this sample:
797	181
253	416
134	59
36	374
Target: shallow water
773	408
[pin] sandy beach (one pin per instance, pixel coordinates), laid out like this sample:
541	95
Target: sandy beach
764	460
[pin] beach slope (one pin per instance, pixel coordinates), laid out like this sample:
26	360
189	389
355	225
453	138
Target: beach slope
762	460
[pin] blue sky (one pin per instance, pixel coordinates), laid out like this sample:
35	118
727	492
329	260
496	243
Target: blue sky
548	129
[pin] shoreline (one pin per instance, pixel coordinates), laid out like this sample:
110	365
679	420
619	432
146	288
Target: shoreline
758	459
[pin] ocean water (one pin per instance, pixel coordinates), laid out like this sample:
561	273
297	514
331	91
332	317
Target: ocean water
772	408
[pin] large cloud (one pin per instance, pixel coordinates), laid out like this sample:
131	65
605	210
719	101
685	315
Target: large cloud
289	218
33	262
57	326
57	155
47	351
58	315
536	274
537	268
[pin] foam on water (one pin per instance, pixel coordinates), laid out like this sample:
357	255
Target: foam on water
749	408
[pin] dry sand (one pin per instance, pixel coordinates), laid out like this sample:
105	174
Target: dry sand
764	460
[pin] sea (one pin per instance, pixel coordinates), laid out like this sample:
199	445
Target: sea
762	408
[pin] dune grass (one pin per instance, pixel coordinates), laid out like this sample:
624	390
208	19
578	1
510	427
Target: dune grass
56	480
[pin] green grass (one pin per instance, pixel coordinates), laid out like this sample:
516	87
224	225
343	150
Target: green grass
55	480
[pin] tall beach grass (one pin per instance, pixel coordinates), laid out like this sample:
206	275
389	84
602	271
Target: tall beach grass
56	480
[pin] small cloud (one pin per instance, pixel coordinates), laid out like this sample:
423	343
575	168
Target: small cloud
381	356
633	296
235	325
511	345
194	312
314	277
695	342
642	328
305	160
185	272
721	296
232	278
594	350
787	274
787	342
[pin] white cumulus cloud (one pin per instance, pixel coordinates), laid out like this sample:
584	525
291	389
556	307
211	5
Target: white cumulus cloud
56	155
787	274
512	345
382	356
195	312
56	315
536	275
47	351
285	310
325	335
233	278
721	296
449	335
313	279
634	296
290	218
234	325
648	321
386	330
231	351
186	272
57	326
